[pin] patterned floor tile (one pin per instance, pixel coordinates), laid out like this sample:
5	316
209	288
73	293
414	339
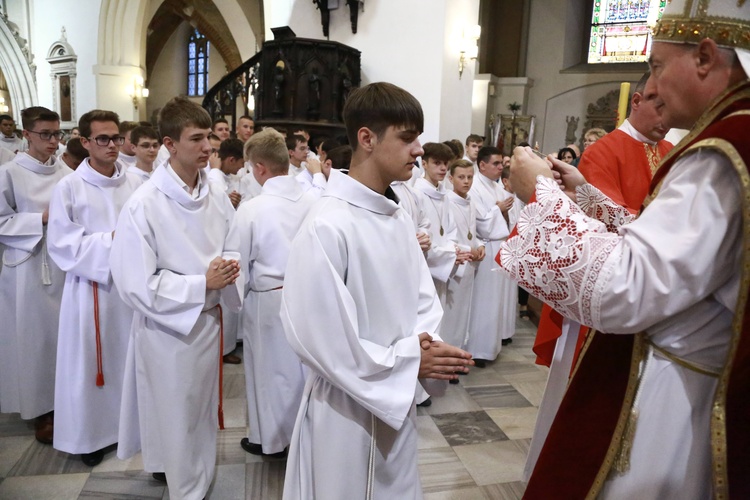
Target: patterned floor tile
121	485
497	396
58	487
490	463
468	428
441	470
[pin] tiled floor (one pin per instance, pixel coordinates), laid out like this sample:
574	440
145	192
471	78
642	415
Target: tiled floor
472	444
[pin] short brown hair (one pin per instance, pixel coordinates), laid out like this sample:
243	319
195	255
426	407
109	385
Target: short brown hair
378	106
341	157
268	147
232	148
127	126
140	132
437	151
179	113
474	138
96	115
30	116
456	147
460	163
75	149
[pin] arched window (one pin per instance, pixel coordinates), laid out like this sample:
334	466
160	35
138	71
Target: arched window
621	30
198	46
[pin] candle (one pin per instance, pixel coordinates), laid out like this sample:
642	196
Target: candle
622	107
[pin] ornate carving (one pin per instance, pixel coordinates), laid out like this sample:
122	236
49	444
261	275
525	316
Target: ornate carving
570	132
603	113
23	44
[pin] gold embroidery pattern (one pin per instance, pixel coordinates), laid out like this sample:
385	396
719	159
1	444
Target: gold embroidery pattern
652	156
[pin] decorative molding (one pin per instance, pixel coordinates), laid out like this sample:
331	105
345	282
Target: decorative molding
63	60
15	65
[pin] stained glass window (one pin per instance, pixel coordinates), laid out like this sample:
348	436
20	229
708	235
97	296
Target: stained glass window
621	30
198	46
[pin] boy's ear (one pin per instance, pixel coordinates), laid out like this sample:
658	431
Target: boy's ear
168	143
366	139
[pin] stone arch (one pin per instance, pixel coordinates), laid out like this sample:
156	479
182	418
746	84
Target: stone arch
18	71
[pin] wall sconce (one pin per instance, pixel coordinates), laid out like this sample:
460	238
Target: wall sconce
137	91
469	48
3	107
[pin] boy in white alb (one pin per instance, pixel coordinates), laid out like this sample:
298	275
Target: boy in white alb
146	147
359	307
31	284
94	321
267	224
443	258
455	326
173	259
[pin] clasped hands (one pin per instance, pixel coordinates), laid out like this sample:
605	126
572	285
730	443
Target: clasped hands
222	272
440	360
525	166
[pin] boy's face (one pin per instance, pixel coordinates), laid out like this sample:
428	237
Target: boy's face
435	170
472	150
395	152
6	127
299	153
193	148
492	168
38	147
103	156
221	129
463	177
146	150
245	129
232	165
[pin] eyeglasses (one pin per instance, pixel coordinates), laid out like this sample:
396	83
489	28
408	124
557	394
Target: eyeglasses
46	136
103	140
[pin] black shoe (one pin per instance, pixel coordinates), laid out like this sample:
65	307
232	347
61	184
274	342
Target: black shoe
480	363
92	459
453	381
424	404
160	476
524	314
256	449
506	341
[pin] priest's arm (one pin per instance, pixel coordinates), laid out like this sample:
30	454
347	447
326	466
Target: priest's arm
681	249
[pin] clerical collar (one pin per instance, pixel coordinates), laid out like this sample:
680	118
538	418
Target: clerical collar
196	192
352	191
629	129
30	163
284	186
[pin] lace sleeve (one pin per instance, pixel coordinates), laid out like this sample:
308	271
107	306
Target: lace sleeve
597	205
559	252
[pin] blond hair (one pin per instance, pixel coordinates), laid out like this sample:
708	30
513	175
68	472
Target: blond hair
268	147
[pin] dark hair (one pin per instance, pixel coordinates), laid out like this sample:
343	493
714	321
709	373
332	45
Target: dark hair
486	152
219	120
179	113
140	132
378	106
505	174
474	138
231	148
318	140
341	157
565	150
329	145
213	137
6	117
641	85
246	117
127	126
30	116
75	149
96	115
293	140
456	147
437	151
460	163
523	144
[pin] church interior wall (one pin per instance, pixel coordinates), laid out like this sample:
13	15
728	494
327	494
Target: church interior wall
554	39
398	41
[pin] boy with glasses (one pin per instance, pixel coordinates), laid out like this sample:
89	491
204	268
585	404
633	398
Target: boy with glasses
31	285
146	142
94	321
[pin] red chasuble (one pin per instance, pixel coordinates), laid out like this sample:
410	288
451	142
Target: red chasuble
588	428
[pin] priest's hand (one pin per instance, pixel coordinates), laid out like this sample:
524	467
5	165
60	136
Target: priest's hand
525	166
424	241
568	177
442	361
221	273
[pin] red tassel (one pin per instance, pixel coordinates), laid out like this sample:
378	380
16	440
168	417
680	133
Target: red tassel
98	333
99	379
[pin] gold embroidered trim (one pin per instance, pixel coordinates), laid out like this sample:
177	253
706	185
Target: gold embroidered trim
683	362
639	351
718	413
652	157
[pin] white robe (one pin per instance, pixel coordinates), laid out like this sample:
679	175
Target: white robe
493	311
356	294
13	143
83	214
6	155
31	287
126	161
673	273
413	202
315	184
249	186
441	257
273	373
230	319
141	174
455	326
164	244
